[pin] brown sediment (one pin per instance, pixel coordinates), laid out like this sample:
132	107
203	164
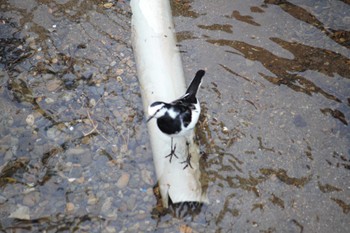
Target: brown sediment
277	201
285	70
281	174
11	168
185	35
262	147
256	9
336	114
327	188
217	27
183	8
341	37
257	206
243	18
342	204
227	209
236	74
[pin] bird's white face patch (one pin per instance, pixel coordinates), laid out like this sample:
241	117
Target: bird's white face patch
173	114
156	109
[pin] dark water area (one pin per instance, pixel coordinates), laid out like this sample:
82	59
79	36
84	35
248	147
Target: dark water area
273	132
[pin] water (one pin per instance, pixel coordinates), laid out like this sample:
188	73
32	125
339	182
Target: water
273	132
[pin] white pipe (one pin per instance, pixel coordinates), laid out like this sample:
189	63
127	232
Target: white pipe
161	78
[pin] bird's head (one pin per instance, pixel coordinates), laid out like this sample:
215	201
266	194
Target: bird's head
156	110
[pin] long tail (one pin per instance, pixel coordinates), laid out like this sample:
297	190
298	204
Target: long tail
196	82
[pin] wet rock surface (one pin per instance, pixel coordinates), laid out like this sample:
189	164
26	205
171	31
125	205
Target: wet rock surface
275	122
274	133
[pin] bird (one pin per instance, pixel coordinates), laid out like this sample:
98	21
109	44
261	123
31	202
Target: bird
179	117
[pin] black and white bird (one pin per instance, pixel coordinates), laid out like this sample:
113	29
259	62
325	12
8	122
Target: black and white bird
178	118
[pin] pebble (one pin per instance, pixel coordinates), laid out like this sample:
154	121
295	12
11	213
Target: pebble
124	149
52	133
21	212
49	100
119	72
110	229
2	199
75	172
123	180
134	228
31	198
70	207
115	149
113	215
32	45
122	207
147	177
92	200
149	191
67	96
106	205
185	229
8	155
76	151
10	121
92	102
130	63
225	130
108	5
54	60
113	63
30	119
130	203
80	180
53	85
346	20
85	140
142	215
116	113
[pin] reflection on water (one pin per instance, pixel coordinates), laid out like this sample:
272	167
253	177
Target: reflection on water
273	131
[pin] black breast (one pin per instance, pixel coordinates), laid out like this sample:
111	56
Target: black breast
169	125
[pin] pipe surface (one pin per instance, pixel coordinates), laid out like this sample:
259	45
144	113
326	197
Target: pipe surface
161	78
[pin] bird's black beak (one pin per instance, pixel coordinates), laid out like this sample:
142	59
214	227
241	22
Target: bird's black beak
150	118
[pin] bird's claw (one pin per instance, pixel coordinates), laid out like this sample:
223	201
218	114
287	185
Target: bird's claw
187	162
172	153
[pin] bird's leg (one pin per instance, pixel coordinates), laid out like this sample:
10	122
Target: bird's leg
188	159
172	152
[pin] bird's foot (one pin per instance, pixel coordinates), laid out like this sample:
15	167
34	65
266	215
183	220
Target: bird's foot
187	161
172	153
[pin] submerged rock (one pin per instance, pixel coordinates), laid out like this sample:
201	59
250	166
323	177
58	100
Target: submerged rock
22	212
123	180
